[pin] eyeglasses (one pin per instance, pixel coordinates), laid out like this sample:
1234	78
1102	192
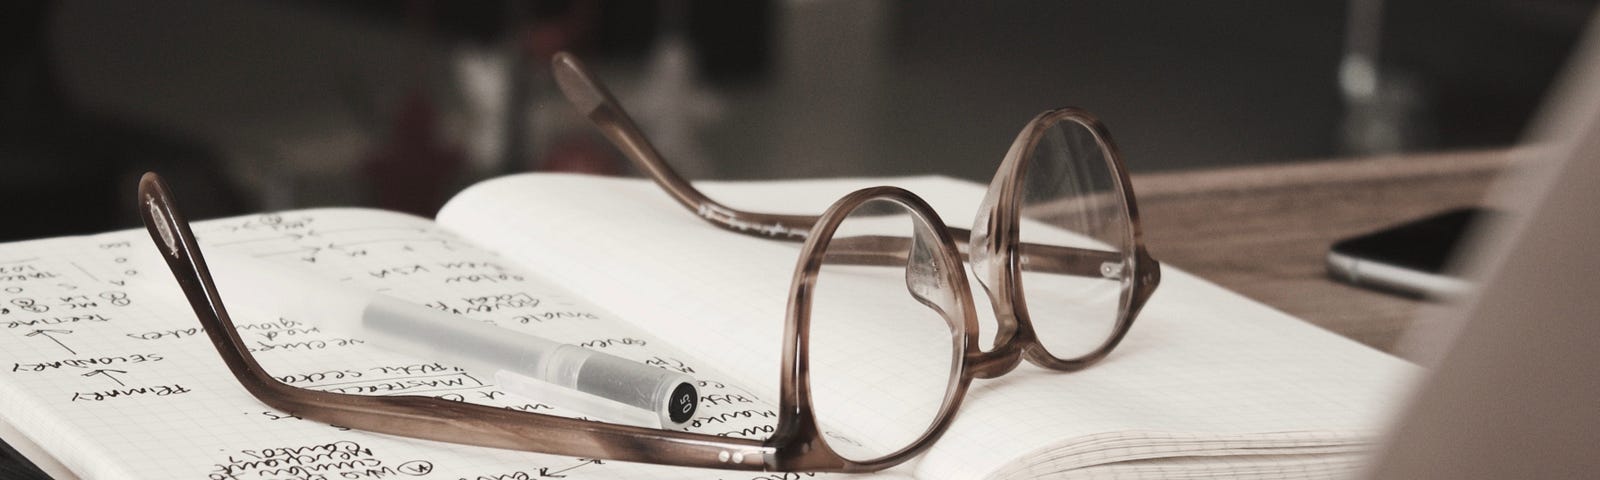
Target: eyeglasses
1058	221
1059	216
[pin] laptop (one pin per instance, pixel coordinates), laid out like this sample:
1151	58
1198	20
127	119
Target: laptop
1514	390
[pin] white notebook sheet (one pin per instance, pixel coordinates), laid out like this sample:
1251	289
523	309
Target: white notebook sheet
105	368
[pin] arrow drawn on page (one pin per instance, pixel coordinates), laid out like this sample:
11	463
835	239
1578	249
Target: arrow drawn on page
107	374
46	334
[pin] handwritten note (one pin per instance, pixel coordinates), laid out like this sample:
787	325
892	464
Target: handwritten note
105	366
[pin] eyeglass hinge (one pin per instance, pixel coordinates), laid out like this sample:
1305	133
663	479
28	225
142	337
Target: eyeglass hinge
1111	269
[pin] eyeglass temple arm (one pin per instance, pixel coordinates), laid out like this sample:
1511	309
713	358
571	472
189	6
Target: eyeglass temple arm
418	416
590	96
888	251
171	233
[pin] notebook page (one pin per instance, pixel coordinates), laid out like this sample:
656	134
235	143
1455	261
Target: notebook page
109	372
626	245
1200	360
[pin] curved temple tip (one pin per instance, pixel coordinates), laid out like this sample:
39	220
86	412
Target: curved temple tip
154	206
577	84
148	182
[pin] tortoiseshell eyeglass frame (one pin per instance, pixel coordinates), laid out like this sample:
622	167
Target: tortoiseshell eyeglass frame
997	239
797	443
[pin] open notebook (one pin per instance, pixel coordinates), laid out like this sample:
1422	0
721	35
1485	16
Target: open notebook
106	371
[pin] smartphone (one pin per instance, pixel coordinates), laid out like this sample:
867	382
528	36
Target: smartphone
1410	258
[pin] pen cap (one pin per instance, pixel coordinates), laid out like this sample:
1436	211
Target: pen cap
671	394
585	405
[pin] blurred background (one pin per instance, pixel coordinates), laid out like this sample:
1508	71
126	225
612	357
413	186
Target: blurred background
250	105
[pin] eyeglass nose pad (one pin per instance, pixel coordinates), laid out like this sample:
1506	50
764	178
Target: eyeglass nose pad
979	253
926	277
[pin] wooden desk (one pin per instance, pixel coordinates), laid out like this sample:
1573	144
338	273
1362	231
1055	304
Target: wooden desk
1263	231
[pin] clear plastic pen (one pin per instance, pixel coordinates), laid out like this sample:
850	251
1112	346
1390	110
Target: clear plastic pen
479	348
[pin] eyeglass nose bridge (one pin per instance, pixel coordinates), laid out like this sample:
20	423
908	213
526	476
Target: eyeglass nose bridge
994	363
1013	336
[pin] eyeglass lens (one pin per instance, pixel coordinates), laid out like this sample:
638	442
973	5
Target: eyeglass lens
882	356
1071	197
